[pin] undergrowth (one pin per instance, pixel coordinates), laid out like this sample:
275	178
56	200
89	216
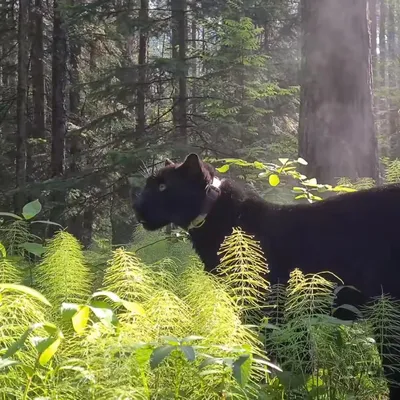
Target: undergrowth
147	322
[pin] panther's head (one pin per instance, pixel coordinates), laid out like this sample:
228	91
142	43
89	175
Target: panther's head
177	193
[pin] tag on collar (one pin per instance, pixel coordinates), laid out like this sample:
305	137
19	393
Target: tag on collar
212	194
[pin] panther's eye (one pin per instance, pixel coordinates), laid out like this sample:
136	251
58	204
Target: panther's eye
162	187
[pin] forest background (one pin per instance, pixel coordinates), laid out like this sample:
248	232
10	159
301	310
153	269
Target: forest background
93	95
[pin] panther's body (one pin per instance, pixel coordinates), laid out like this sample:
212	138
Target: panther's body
354	235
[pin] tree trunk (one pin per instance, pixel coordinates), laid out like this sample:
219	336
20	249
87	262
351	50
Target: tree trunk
178	41
374	33
59	114
21	136
392	83
194	61
38	128
336	129
142	75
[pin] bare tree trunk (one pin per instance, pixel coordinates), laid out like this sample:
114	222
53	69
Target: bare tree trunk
336	129
38	129
392	83
59	114
142	75
21	136
194	61
374	33
178	39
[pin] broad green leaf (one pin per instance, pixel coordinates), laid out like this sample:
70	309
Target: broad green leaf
274	180
302	161
47	223
34	248
344	189
26	290
143	354
51	329
223	169
31	209
170	339
133	307
311	182
17	345
12	215
159	354
283	161
258	165
7	362
268	363
80	319
48	353
210	361
68	310
189	352
28	370
191	338
3	250
299	189
241	369
112	296
103	313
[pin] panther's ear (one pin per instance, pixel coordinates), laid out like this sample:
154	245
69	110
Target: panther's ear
168	162
192	164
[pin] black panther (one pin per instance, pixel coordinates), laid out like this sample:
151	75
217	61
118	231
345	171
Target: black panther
354	235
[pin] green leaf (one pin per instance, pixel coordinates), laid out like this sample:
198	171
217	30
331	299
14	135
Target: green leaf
51	329
80	319
223	169
7	362
104	313
302	161
47	354
26	290
241	369
12	215
34	248
31	209
112	296
344	189
283	161
171	340
274	180
258	165
68	310
191	338
28	370
210	361
3	250
47	223
159	354
189	352
133	307
18	344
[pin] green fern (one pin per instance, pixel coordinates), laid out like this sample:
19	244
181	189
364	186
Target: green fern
9	272
243	267
128	277
15	233
63	276
383	315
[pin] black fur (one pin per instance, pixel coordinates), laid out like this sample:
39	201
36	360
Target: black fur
354	235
